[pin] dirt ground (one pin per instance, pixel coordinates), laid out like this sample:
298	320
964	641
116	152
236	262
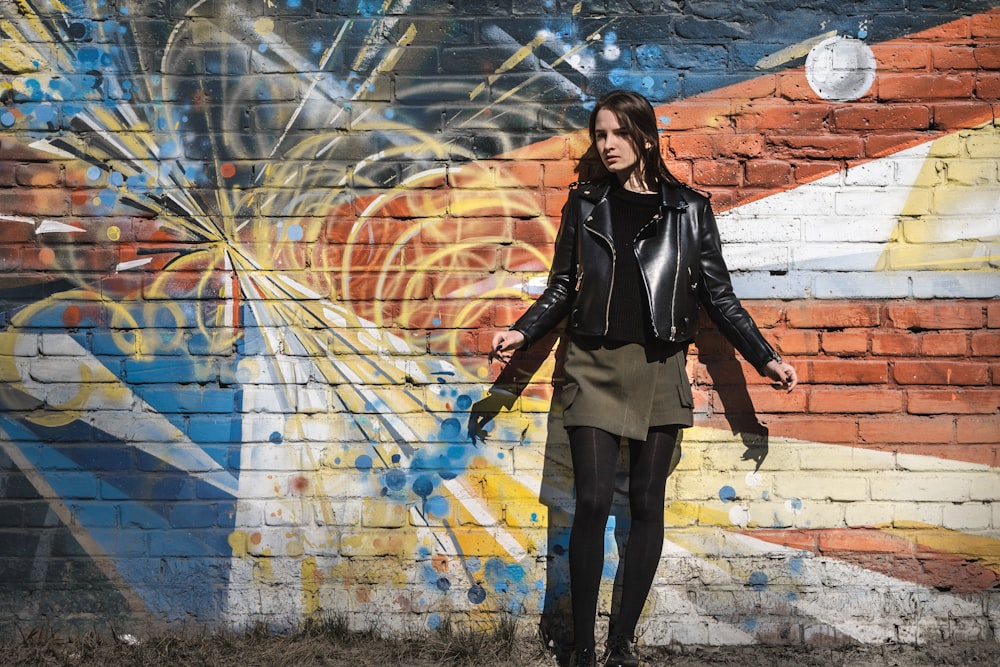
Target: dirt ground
502	647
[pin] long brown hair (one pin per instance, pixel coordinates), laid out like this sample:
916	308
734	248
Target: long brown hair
636	116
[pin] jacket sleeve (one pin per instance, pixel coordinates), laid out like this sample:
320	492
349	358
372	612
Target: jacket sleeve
553	304
715	291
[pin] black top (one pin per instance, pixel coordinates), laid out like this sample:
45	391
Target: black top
629	320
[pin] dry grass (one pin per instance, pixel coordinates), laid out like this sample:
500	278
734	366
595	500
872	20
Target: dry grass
329	642
326	642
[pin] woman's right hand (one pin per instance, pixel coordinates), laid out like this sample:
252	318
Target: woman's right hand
504	344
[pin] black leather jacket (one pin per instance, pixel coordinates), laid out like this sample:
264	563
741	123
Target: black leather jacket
680	260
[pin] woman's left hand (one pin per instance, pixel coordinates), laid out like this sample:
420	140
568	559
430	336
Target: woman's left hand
782	373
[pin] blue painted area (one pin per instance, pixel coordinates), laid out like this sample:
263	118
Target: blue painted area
727	494
758	581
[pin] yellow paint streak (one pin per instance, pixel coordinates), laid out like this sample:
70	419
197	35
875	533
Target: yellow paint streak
985	550
311	578
950	224
238	543
519	56
793	51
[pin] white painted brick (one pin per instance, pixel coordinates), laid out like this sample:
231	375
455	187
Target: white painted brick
885	285
906	514
754	257
911	486
778	226
761	285
968	516
955	284
836	256
827	486
860	515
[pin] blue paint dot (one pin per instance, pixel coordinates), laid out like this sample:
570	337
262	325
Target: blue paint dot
396	458
450	428
443	584
477	594
727	494
795	565
94	173
363	462
116	179
795	504
437	506
434	621
6	119
464	402
758	581
275	438
423	486
294	233
395	479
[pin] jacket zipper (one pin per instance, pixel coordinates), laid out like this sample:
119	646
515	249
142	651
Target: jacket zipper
677	282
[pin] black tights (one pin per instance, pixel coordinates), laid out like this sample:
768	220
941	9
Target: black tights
595	454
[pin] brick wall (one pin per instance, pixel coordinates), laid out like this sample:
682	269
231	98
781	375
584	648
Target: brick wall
252	256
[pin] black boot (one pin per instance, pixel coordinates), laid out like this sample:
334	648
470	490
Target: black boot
621	653
585	657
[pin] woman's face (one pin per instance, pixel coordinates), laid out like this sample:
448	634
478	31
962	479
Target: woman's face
614	145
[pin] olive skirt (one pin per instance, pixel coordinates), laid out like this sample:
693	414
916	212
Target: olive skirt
626	388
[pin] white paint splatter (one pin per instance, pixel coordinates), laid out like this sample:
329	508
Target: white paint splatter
840	69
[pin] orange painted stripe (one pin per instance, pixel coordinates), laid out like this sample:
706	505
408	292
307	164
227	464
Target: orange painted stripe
898	554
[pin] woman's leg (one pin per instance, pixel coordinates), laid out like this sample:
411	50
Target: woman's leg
595	453
649	465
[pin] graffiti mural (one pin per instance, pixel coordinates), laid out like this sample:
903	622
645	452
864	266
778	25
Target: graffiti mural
252	251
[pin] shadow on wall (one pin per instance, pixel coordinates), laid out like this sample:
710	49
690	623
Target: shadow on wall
556	492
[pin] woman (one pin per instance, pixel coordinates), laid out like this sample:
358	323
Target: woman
637	254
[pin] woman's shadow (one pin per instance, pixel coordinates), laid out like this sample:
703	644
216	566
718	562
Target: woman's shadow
556	489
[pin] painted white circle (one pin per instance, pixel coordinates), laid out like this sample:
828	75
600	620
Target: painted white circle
840	69
753	479
740	516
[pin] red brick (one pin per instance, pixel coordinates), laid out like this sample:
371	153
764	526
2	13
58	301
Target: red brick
771	400
946	56
831	314
846	343
985	25
768	173
895	344
820	147
717	172
988	85
961	114
765	313
952	401
809	171
917	87
945	344
936	315
888	143
987	56
897	56
814	428
955	373
519	258
849	401
993	315
842	371
783	117
882	117
986	344
984	429
39	174
983	454
710	146
906	429
798	342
